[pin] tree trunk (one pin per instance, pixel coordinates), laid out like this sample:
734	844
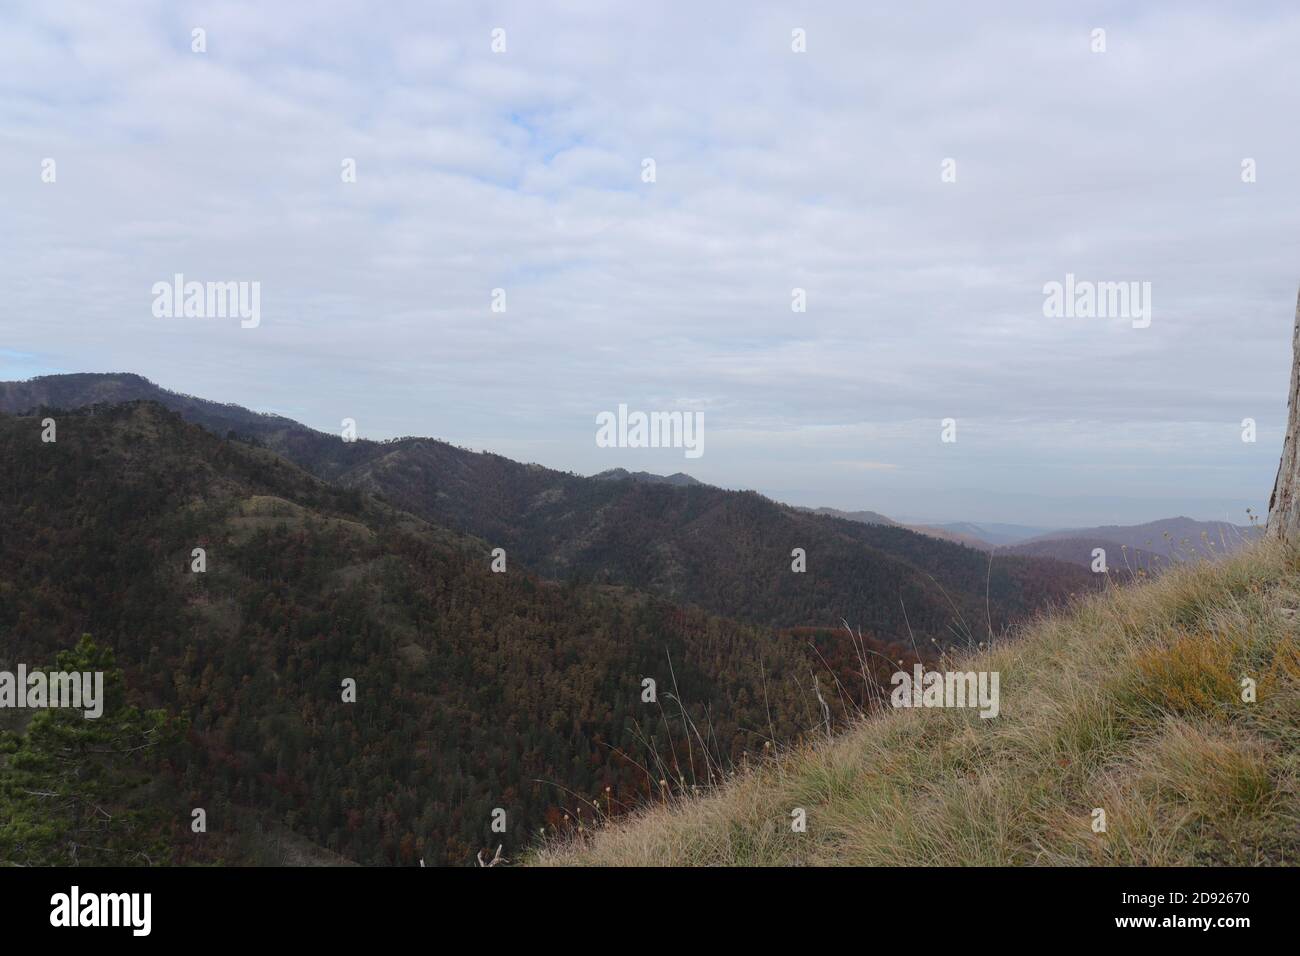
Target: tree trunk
1284	505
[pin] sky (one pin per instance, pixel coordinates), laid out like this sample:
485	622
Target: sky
920	171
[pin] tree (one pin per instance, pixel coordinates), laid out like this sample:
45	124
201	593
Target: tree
64	782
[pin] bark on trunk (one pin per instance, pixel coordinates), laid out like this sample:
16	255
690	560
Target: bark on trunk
1284	505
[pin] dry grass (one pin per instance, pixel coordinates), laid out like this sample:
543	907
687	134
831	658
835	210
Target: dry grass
1130	702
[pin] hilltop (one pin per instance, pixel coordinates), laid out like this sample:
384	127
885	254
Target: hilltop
678	479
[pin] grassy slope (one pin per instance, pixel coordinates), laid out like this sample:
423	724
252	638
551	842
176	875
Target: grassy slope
1130	701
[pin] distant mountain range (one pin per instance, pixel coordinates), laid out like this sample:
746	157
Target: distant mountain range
1150	546
958	534
1170	536
563	525
993	533
729	552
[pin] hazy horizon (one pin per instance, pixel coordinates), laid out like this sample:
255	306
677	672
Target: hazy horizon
984	502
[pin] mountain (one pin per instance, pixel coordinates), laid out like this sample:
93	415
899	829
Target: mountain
729	553
992	533
1130	702
474	690
873	517
1119	560
1172	537
866	517
325	456
1151	546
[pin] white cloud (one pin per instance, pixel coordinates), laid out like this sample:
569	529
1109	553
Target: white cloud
775	170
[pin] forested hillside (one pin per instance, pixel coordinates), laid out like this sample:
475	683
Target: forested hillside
475	690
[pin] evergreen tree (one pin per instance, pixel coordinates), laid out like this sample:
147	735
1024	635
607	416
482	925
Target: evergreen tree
65	781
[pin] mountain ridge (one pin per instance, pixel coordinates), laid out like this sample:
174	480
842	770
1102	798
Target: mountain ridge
728	552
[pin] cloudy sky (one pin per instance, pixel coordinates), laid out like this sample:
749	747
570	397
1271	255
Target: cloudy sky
823	170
